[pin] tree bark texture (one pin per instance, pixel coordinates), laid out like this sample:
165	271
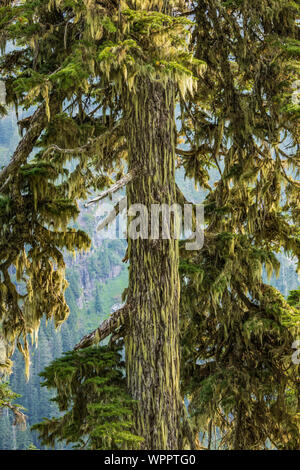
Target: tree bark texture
152	338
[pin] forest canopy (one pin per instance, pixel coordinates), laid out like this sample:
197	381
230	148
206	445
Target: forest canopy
121	95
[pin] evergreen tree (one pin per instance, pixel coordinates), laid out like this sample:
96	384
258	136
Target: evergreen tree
91	390
238	331
7	397
105	78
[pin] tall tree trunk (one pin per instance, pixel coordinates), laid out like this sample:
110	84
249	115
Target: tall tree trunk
152	341
238	437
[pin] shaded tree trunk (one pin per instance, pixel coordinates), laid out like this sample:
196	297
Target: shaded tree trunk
238	437
152	341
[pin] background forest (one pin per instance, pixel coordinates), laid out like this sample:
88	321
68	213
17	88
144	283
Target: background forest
96	279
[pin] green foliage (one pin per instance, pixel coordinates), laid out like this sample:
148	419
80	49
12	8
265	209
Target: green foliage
237	369
6	394
32	447
91	392
7	398
294	298
238	331
232	68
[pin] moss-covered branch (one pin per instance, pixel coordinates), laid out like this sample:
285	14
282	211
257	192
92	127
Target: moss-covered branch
115	321
38	122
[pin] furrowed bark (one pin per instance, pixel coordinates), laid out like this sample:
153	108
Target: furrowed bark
152	339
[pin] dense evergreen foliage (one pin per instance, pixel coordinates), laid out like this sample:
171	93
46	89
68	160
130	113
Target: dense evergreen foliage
238	329
102	82
91	390
96	281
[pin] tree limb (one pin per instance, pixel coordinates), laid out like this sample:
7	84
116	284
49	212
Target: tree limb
181	199
20	418
185	153
109	326
245	299
118	185
118	208
84	148
25	147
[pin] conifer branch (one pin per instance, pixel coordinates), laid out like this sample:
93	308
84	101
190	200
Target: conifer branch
38	121
185	153
181	199
116	320
187	13
118	185
20	418
84	148
288	179
245	299
118	208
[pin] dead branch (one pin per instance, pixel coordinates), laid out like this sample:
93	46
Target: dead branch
116	320
23	150
118	209
118	185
